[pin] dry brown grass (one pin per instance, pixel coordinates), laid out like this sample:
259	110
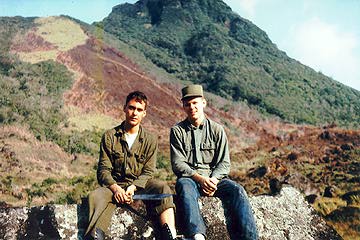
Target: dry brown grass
38	56
80	120
60	32
325	205
26	161
38	159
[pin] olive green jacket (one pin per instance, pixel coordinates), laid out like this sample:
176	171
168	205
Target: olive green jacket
124	166
213	150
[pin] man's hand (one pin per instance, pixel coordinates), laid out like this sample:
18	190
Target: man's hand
208	185
120	195
130	192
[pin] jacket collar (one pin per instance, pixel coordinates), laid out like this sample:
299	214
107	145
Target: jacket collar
189	126
120	132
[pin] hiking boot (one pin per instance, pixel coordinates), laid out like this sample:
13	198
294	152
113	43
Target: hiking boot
166	233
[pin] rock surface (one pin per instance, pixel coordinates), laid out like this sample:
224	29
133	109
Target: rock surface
284	216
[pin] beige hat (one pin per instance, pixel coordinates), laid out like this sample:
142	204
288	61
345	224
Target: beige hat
192	91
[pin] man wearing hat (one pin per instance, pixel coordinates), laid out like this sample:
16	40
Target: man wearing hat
200	160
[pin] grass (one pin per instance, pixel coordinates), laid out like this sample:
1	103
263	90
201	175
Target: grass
346	221
35	57
81	121
62	32
325	205
34	172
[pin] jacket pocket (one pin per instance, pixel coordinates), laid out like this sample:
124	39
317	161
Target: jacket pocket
118	159
139	164
208	151
140	158
189	152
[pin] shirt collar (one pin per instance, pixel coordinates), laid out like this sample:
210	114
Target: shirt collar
120	131
189	126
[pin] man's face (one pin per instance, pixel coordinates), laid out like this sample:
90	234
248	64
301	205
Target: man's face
194	108
134	112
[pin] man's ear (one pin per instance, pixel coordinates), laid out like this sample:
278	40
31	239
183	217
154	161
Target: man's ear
204	102
144	113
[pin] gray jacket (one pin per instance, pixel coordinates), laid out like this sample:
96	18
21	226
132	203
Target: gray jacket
213	149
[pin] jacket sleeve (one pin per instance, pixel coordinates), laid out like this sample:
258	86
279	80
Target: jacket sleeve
149	166
222	167
104	166
178	156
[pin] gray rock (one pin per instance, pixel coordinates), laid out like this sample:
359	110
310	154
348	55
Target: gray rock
284	216
289	216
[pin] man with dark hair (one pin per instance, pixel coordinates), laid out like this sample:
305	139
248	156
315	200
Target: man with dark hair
200	160
126	165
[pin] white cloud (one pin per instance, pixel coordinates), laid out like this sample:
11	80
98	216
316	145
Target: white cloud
328	49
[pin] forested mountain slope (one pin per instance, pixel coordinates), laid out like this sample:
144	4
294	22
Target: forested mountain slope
203	41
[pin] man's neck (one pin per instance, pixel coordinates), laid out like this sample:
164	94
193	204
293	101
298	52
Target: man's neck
131	129
198	121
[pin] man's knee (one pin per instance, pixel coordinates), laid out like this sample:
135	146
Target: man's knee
240	190
234	189
186	185
100	195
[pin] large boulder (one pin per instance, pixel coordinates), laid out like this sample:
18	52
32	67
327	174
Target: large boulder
284	216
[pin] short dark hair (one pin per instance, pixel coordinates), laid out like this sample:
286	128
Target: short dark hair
138	96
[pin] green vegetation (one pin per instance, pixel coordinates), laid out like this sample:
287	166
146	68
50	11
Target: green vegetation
9	27
75	189
200	41
204	42
31	94
163	166
80	188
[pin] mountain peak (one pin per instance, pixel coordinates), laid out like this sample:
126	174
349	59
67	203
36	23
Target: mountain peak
174	12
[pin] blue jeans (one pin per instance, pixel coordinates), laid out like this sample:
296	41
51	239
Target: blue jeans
240	220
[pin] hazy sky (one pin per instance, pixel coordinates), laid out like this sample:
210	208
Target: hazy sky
322	34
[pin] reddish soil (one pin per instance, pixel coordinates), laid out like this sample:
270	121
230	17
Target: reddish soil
31	43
